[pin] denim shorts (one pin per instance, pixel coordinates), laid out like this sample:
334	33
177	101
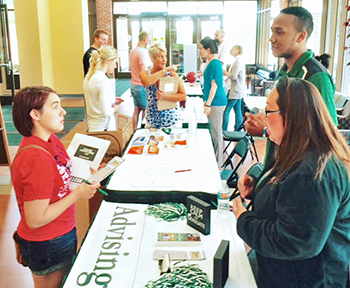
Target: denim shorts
139	95
45	257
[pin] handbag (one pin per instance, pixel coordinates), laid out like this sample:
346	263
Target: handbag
15	236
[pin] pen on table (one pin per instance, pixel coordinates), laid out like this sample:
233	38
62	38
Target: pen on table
99	190
183	170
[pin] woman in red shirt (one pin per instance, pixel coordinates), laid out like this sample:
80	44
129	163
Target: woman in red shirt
40	175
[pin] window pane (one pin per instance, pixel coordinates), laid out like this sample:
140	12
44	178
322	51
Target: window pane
9	3
184	32
135	31
346	68
209	27
210	8
315	7
13	41
240	27
182	8
122	43
120	8
272	60
136	8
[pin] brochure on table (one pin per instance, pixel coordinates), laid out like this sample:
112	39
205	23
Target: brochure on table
119	248
177	162
85	152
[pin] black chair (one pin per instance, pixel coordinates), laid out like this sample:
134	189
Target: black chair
254	172
236	136
231	175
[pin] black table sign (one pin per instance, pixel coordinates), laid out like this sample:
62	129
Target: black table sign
221	260
198	214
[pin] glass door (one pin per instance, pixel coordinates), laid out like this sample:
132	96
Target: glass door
181	37
127	36
206	27
6	64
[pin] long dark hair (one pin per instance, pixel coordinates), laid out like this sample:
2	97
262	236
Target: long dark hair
308	126
207	42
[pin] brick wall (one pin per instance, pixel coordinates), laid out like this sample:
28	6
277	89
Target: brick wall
104	17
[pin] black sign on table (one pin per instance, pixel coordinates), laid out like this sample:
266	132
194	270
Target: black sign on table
198	214
221	264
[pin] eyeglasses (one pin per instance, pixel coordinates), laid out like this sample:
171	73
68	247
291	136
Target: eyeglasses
267	112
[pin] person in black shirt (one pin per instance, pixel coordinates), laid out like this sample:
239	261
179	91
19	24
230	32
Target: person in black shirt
100	39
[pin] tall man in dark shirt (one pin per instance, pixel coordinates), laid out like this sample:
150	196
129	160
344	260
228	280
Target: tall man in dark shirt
100	39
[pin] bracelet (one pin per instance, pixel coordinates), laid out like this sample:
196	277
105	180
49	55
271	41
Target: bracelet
206	105
265	133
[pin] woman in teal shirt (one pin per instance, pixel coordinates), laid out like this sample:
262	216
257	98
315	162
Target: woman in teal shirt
214	94
300	223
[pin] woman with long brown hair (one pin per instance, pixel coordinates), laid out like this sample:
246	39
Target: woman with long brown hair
299	226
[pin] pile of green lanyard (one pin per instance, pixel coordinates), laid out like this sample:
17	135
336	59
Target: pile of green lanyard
189	276
167	211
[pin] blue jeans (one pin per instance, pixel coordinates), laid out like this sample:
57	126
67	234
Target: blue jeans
236	104
45	257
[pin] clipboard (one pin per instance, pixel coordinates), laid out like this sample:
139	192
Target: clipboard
169	85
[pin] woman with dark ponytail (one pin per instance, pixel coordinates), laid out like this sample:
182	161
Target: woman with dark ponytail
214	94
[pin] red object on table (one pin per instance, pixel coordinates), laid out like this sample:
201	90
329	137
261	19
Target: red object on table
191	77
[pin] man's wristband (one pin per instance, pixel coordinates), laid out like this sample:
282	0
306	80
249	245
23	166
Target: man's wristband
206	105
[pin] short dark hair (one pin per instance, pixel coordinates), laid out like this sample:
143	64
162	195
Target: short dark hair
207	42
304	19
26	100
98	32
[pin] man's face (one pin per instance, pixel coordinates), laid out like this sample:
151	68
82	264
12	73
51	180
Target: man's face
147	41
101	41
284	36
218	36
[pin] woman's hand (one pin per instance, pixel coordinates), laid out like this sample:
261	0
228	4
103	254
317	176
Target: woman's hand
86	191
172	68
118	101
255	123
93	171
207	110
245	185
161	95
237	207
226	73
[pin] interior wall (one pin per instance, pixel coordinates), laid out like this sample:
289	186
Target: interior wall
51	43
28	37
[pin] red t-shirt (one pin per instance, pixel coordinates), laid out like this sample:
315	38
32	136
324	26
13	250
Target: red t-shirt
138	57
38	175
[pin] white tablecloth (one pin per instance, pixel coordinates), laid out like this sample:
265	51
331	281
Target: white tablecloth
198	157
193	88
118	249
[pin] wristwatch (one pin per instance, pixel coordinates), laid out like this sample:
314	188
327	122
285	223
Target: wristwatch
265	133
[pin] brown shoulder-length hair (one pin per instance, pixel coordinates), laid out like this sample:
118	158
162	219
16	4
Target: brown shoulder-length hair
26	100
308	126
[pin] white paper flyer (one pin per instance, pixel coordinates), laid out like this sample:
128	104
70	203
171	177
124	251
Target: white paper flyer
85	152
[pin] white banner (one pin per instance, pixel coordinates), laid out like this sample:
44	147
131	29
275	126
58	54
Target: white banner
110	252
